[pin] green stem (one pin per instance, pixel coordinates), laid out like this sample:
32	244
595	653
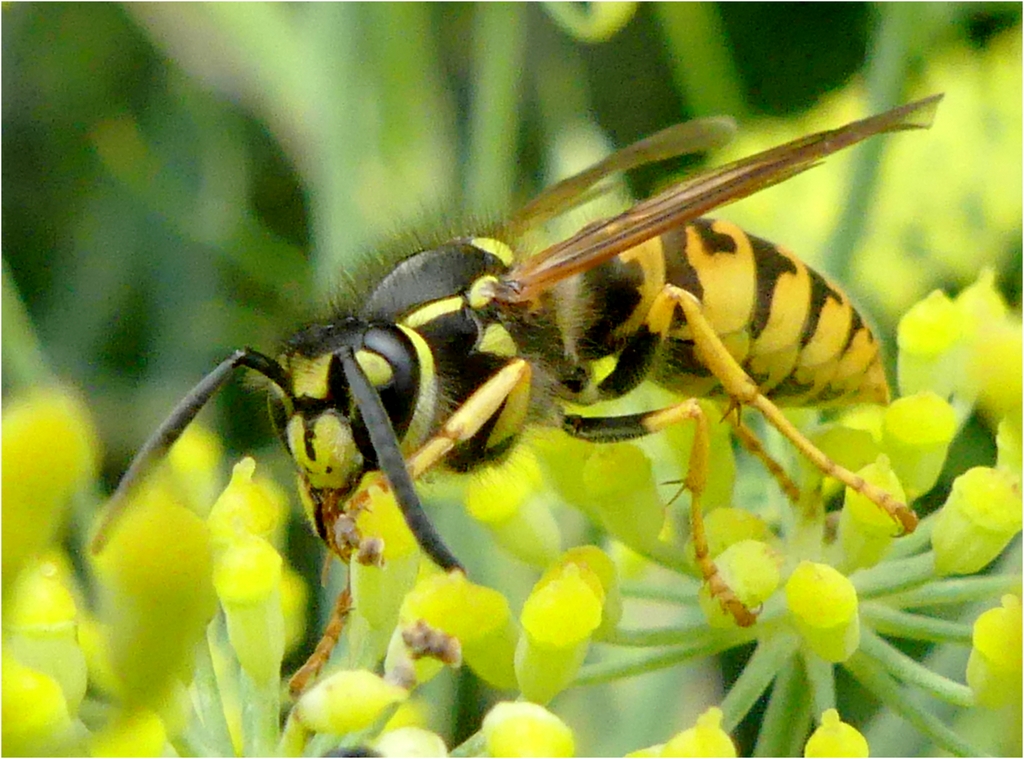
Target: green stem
893	576
903	624
886	75
768	660
498	44
713	643
682	592
822	678
662	636
702	62
912	672
261	714
788	715
207	694
956	591
874	678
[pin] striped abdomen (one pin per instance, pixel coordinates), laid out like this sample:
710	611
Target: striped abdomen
795	334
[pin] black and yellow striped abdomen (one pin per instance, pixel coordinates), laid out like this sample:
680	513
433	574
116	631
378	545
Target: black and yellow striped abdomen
797	335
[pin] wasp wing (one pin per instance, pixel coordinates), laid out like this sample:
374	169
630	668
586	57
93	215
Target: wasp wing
686	201
696	136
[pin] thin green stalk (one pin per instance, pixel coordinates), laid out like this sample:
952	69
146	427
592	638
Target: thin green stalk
821	675
684	592
714	643
498	43
702	63
911	672
893	576
261	715
886	75
207	697
956	591
768	660
874	678
661	636
903	624
787	716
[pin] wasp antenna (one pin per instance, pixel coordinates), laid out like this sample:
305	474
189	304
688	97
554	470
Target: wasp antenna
392	463
174	425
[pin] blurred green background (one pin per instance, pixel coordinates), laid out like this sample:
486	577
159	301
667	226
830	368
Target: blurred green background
181	180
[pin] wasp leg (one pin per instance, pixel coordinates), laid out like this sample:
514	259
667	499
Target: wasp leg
615	428
749	441
323	650
510	386
745	392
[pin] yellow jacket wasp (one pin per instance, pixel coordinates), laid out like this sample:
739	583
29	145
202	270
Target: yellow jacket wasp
460	347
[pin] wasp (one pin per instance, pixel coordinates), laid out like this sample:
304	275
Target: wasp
461	347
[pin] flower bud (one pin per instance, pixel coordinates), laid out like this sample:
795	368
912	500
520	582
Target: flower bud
247	576
627	504
706	738
50	450
138	733
346	701
865	529
751	570
508	500
1008	446
823	604
916	435
156	578
516	729
244	508
929	337
194	462
410	741
835	738
378	588
558	619
994	666
40	625
726	526
980	517
294	602
478	616
35	721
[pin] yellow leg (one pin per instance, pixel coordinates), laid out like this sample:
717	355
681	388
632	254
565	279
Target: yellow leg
749	441
745	392
511	383
695	480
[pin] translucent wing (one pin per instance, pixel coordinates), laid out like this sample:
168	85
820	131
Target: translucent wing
686	201
697	136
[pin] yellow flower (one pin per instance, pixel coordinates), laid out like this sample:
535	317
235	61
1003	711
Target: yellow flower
706	738
980	517
346	701
823	604
994	666
835	738
50	451
525	729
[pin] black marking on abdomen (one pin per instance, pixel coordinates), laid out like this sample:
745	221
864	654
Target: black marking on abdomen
769	264
714	242
678	269
821	291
